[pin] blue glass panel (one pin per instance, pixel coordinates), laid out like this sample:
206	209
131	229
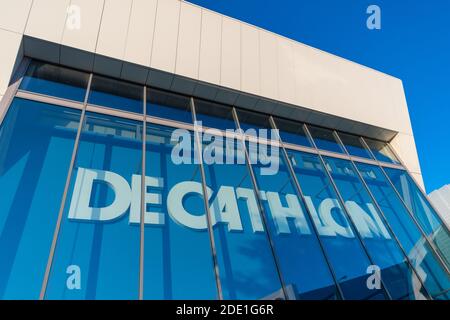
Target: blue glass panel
243	248
344	250
424	213
253	121
325	139
178	259
354	145
292	132
418	250
168	106
116	94
214	115
36	143
381	151
97	254
303	265
397	275
55	81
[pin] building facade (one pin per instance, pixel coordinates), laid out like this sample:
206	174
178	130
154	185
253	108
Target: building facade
441	200
153	149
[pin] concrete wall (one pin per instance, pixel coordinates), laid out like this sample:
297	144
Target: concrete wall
179	46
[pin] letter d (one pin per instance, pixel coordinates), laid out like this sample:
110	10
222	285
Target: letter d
80	208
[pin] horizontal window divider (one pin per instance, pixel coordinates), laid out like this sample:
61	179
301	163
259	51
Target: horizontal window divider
50	100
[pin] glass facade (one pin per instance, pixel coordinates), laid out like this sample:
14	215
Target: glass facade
134	192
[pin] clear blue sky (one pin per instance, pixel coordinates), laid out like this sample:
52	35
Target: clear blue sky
413	45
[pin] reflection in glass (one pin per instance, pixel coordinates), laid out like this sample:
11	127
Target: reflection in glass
167	105
213	115
253	121
303	265
424	213
178	263
398	277
116	94
51	80
354	145
246	264
344	250
99	236
325	139
381	151
36	143
292	132
418	250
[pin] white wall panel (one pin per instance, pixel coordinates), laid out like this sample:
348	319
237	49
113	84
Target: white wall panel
210	47
188	51
268	65
140	34
14	14
230	70
84	37
114	28
166	34
47	19
250	59
286	70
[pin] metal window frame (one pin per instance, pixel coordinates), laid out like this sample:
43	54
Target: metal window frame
64	196
346	212
262	211
206	203
405	168
411	214
302	197
14	91
386	222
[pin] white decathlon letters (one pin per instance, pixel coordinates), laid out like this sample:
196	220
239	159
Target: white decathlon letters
281	213
150	217
80	208
176	209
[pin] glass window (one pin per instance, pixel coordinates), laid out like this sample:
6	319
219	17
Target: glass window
168	106
253	121
51	80
116	94
343	248
242	245
398	277
418	250
354	145
178	258
424	213
292	132
97	254
302	263
325	139
36	144
381	151
214	115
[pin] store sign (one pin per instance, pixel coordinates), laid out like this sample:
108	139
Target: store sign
285	209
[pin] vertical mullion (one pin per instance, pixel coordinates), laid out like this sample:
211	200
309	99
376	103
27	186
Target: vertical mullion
344	209
260	205
11	92
408	261
143	192
64	197
302	196
206	202
411	214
